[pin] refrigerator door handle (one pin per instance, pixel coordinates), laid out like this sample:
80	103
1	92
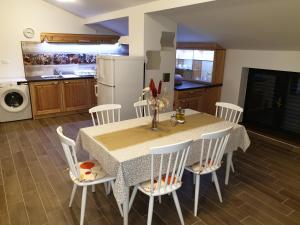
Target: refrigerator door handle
108	85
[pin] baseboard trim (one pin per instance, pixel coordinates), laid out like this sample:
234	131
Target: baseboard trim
277	142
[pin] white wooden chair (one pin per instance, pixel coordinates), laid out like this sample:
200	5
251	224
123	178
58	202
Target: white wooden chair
82	174
142	108
104	114
231	113
167	181
212	150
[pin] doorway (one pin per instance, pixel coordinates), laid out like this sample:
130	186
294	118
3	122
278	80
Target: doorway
273	101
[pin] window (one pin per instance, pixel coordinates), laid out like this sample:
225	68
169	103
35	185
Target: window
195	64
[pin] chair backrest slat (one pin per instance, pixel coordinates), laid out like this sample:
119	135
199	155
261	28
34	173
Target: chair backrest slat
160	168
142	108
213	148
105	114
175	167
168	169
208	153
232	112
70	152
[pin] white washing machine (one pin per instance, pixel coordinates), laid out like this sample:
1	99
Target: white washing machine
14	100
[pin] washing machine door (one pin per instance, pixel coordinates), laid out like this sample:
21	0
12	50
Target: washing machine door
14	100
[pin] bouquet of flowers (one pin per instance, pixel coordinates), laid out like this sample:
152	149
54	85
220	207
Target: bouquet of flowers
157	100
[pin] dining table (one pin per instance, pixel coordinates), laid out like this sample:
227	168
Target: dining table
122	148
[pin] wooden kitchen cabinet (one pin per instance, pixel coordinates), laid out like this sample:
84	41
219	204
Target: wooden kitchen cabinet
78	38
76	94
203	99
93	92
51	98
46	97
212	96
192	99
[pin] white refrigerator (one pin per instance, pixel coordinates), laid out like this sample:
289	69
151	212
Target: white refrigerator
120	81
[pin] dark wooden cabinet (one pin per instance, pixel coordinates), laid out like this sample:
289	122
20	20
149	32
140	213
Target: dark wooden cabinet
212	95
76	94
202	100
50	98
46	97
78	38
93	92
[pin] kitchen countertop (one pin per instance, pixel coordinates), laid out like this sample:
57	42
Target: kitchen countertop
39	78
188	85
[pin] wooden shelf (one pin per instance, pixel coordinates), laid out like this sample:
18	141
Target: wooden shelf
78	38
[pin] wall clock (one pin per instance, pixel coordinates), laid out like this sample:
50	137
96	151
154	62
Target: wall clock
28	32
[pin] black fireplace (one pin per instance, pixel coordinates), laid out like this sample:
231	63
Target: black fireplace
273	101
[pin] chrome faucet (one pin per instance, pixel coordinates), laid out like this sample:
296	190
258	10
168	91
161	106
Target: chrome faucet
57	72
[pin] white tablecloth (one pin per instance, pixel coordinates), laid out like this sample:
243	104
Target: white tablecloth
131	165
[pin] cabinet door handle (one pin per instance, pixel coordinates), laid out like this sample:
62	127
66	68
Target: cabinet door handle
96	90
66	82
55	82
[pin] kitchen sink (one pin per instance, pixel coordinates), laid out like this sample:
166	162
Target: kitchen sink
59	76
51	76
69	76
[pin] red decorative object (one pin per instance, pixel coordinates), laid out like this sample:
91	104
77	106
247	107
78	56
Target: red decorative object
169	179
87	165
158	100
152	85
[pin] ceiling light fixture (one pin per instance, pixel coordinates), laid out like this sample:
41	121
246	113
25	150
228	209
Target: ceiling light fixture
65	0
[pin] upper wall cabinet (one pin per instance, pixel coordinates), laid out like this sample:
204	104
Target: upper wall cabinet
78	38
200	62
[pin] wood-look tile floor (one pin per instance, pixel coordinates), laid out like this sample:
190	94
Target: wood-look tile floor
35	186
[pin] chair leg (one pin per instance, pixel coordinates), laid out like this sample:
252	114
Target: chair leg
150	210
159	199
217	185
72	194
194	178
197	188
178	207
107	188
232	167
228	164
83	203
132	197
93	188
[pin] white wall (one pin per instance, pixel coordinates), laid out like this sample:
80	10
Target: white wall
238	61
154	26
16	15
136	32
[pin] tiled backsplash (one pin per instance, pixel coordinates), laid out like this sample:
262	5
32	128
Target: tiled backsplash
43	58
58	59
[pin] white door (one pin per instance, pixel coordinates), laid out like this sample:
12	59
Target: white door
105	67
106	94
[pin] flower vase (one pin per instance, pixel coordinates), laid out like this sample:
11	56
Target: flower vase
155	119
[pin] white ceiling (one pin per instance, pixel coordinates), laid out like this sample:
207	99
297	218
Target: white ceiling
88	8
119	26
241	24
237	24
